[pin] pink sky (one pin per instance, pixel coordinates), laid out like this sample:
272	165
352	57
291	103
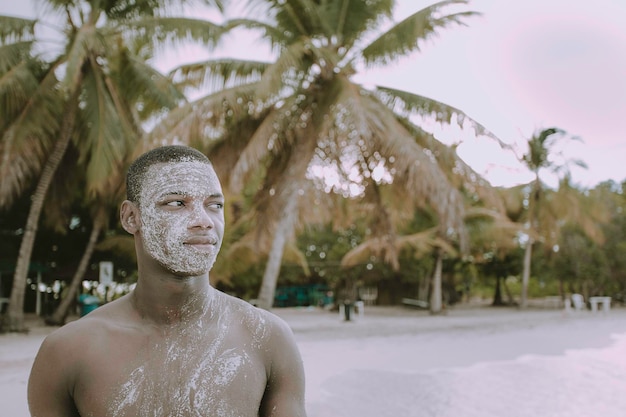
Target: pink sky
521	66
530	65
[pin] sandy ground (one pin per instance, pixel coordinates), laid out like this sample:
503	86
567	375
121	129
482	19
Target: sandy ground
471	362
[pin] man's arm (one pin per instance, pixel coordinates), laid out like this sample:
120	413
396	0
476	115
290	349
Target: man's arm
284	394
49	384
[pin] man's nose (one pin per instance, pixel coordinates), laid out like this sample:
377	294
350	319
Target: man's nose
201	218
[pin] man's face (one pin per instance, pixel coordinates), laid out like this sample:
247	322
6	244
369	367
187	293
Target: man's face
182	216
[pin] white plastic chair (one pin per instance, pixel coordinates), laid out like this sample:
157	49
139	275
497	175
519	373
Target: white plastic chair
578	301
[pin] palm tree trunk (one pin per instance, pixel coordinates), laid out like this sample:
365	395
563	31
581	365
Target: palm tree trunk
304	150
497	296
436	296
526	273
423	288
62	311
528	251
272	269
14	321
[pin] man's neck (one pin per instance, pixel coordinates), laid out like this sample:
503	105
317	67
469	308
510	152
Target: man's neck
173	300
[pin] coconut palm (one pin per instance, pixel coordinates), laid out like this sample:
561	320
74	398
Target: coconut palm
31	113
312	116
544	211
104	82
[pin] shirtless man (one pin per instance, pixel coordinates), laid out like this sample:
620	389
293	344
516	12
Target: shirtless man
174	346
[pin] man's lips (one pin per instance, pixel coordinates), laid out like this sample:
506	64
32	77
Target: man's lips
201	241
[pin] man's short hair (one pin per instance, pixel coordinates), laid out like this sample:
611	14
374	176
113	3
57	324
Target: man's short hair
164	154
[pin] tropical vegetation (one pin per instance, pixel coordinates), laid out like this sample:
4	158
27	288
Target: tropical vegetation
317	143
330	182
90	93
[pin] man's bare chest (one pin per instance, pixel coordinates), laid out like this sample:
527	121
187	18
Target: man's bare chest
221	375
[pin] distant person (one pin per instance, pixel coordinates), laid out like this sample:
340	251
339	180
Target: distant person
174	346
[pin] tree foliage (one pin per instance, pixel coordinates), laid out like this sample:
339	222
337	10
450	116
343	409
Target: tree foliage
93	92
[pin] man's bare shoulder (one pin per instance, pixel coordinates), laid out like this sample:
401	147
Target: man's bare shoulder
88	329
67	352
254	317
265	327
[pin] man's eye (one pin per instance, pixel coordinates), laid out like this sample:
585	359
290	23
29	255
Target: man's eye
174	203
217	206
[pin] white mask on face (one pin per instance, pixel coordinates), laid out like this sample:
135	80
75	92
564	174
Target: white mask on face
182	218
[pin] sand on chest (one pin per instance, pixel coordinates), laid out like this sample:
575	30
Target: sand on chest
197	370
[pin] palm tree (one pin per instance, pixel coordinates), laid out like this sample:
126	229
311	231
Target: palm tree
546	211
104	83
31	113
312	114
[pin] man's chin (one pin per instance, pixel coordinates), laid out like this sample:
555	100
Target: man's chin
194	271
188	274
185	271
192	266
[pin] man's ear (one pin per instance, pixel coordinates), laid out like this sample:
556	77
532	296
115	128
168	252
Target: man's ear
129	217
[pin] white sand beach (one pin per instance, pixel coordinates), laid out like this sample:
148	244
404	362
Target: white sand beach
471	362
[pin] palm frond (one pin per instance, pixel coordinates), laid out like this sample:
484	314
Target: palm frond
362	253
406	104
569	206
173	31
13	53
109	133
462	176
224	151
141	83
257	150
27	134
15	29
218	73
350	19
277	38
300	18
281	127
491	232
16	86
18	166
133	9
287	66
421	243
204	117
405	37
